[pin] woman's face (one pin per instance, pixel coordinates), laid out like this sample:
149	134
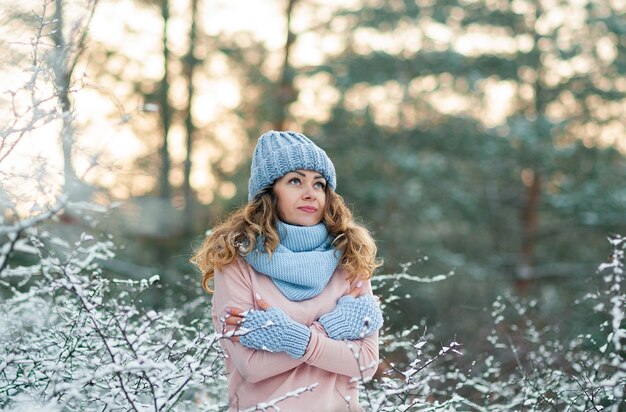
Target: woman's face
301	197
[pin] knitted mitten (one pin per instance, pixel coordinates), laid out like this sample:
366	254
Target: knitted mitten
353	318
273	331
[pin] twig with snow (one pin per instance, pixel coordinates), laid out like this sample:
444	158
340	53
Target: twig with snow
273	404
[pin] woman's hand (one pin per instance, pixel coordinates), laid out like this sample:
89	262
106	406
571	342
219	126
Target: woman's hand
355	290
236	316
268	329
354	317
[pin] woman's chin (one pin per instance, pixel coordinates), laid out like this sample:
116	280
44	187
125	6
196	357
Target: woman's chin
301	221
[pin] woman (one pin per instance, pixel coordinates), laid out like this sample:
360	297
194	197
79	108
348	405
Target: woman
291	291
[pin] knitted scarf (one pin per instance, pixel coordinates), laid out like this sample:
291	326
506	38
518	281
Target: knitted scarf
303	262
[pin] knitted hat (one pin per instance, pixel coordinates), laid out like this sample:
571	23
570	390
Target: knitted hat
278	153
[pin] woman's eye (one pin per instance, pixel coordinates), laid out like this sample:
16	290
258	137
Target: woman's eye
294	180
320	185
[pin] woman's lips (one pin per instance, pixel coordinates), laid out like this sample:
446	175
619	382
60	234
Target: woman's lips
308	209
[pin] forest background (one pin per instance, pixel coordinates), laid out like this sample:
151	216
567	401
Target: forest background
481	141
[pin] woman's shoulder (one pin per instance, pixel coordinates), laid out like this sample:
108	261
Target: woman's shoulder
342	276
237	265
343	273
234	274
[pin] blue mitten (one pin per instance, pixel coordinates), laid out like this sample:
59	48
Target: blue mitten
273	331
353	318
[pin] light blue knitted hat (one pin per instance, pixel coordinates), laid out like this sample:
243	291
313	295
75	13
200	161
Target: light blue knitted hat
278	153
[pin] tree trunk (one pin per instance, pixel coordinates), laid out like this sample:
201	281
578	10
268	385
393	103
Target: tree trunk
190	66
166	110
530	225
532	180
286	92
62	78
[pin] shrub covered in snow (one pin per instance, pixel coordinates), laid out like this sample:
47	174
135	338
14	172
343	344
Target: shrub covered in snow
74	338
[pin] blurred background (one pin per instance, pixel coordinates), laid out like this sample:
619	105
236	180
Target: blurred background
481	141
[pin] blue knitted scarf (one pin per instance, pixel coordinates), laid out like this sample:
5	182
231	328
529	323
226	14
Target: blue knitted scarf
303	262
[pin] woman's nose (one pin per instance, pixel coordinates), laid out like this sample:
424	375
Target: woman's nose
308	193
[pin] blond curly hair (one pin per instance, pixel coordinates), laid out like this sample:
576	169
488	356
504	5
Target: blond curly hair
237	236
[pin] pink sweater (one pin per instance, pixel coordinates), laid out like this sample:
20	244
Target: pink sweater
260	376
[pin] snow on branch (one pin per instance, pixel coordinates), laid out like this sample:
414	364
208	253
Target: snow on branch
273	404
405	275
72	336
